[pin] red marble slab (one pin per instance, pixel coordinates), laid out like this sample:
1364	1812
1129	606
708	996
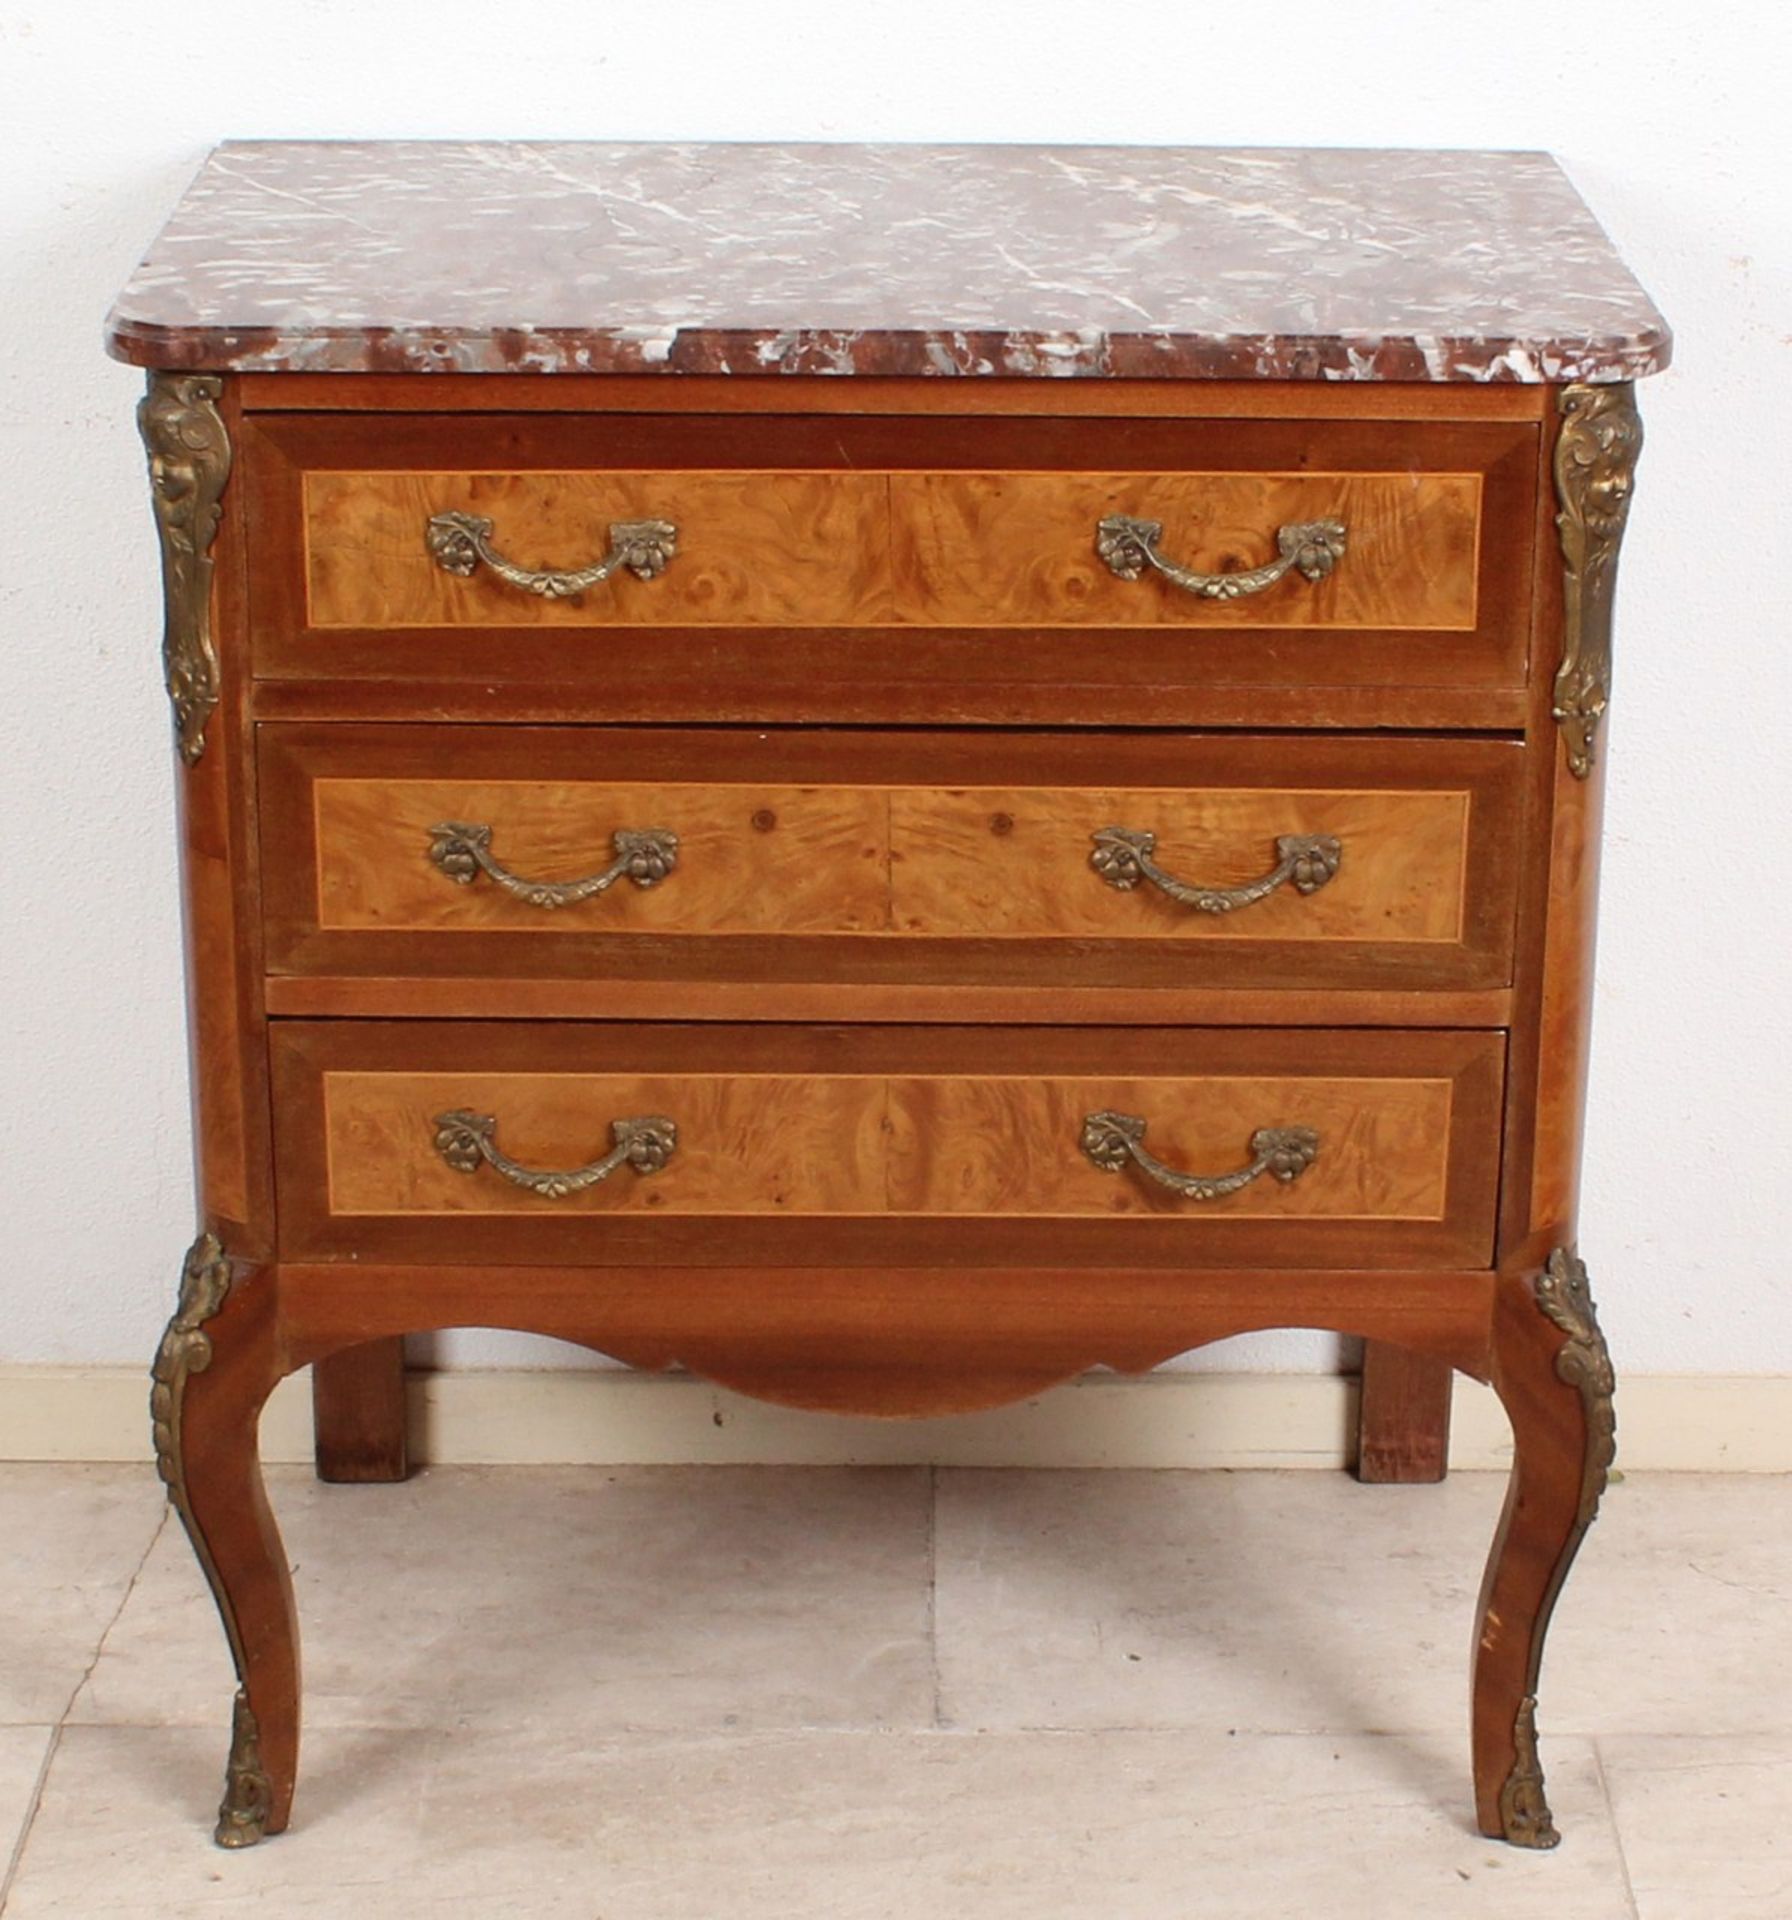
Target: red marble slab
1112	262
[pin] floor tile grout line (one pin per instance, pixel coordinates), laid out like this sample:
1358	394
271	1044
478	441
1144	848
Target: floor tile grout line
1611	1814
933	1593
106	1632
53	1746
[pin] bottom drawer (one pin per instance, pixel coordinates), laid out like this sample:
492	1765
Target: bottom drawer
850	1146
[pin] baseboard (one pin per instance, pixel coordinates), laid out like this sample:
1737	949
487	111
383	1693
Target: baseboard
1703	1423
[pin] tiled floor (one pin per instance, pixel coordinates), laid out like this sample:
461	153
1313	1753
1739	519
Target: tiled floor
758	1694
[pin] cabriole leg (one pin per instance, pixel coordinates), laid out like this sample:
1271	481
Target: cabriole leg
1554	1374
215	1367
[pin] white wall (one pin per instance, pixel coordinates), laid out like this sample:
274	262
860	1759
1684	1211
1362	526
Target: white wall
1673	122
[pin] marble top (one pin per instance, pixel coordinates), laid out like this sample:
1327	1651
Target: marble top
1118	262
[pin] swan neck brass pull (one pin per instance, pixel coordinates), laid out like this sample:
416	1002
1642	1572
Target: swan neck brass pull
1123	857
463	851
460	543
1112	1140
1310	548
467	1140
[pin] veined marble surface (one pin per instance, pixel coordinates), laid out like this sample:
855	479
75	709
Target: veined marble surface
1115	262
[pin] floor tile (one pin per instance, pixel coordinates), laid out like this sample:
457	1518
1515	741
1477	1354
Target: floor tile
1286	1602
412	1824
685	1598
1272	1602
675	1692
22	1751
74	1536
1678	1615
1703	1824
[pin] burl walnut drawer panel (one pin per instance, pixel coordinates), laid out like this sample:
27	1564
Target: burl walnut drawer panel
793	548
1137	859
723	1145
1015	549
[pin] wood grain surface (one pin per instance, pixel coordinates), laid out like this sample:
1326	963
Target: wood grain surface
765	1143
475	996
995	861
1011	1145
736	693
1555	941
874	1144
832	1131
1444	403
751	859
754	549
217	806
947	559
358	1407
1018	549
885	1338
1403	1417
1015	862
958	549
890	858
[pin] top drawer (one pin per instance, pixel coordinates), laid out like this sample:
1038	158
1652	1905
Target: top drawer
696	554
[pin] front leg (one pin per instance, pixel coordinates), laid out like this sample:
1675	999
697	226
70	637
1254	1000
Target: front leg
1554	1374
217	1364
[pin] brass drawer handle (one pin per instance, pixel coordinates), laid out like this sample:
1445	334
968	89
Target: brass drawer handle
1112	1139
1122	857
463	850
466	1139
1309	547
458	542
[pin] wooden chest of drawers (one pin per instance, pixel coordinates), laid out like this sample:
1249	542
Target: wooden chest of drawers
887	890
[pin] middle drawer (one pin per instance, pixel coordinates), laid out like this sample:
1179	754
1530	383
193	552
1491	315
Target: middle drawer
983	858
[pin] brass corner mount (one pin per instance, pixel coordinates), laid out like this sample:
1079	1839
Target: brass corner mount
1597	444
1584	1362
189	461
186	1348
